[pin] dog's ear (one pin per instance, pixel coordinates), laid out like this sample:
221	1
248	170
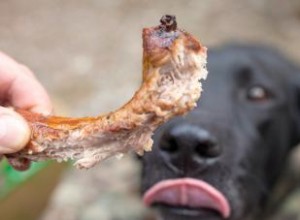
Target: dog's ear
294	89
289	72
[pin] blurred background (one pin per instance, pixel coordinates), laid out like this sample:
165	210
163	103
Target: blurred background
88	56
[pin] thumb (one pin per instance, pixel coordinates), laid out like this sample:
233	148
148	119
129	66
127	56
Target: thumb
14	131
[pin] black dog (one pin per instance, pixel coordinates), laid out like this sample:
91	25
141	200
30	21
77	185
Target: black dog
223	159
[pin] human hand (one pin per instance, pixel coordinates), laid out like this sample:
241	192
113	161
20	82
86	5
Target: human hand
18	89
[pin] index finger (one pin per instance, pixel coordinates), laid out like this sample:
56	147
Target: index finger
20	88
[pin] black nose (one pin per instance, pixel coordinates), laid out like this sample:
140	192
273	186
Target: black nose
188	147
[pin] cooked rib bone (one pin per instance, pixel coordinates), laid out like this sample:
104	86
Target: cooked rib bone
173	63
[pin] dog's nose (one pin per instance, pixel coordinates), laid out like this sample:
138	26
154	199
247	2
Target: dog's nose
188	146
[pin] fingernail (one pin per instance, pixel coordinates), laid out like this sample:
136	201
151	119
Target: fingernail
14	134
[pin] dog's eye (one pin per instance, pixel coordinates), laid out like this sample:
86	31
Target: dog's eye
258	94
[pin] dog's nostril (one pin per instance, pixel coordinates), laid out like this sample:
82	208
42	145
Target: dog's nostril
169	146
187	139
208	148
188	147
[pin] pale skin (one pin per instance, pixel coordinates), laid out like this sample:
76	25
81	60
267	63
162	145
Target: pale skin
19	88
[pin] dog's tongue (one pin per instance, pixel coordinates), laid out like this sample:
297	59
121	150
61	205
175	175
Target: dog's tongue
189	193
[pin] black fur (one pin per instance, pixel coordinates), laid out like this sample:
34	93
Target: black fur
239	136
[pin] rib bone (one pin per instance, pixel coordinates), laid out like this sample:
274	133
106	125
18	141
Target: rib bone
173	64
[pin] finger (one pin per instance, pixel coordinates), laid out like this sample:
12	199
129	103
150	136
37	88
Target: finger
20	88
14	131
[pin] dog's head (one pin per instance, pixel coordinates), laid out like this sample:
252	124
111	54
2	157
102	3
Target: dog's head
223	159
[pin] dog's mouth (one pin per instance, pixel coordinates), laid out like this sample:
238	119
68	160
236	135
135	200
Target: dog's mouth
190	195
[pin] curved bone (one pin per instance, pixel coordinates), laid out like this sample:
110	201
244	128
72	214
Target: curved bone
173	63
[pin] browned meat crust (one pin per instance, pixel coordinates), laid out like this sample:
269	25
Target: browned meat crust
173	63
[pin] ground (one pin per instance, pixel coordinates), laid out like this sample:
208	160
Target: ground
88	56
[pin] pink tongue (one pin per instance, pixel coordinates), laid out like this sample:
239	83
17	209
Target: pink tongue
188	192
